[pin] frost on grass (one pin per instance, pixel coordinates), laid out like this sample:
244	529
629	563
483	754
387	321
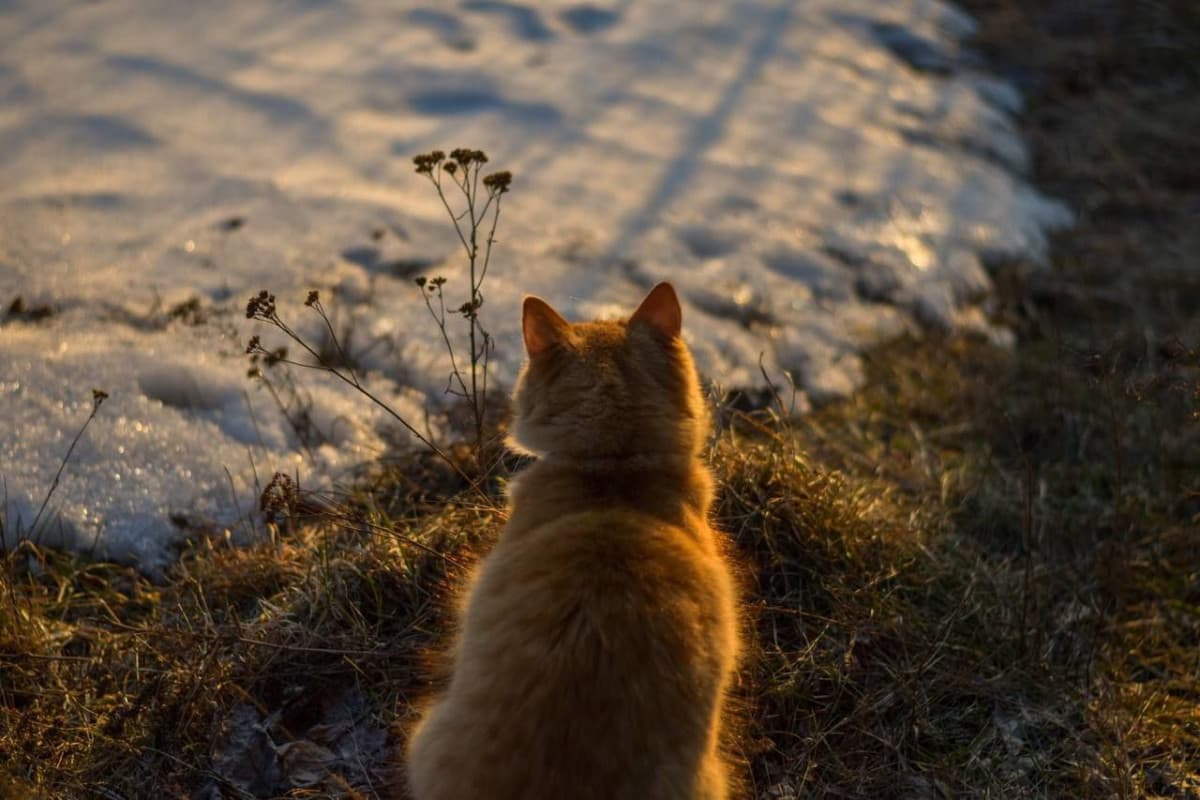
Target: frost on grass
813	178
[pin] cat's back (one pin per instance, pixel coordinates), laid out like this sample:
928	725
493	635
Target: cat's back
607	565
599	586
595	650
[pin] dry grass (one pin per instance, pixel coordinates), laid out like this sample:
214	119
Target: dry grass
1052	583
888	664
979	577
116	687
909	640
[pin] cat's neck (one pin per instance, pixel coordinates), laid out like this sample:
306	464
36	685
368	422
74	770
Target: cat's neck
670	486
670	463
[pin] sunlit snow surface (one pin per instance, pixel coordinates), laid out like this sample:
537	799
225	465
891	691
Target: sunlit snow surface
812	175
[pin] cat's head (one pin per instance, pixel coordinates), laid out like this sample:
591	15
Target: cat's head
609	389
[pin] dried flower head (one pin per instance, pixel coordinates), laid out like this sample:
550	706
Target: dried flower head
450	167
261	306
314	298
466	157
99	396
254	345
280	497
420	281
498	182
425	162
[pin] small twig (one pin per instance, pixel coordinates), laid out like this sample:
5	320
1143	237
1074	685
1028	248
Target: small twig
487	253
438	185
440	320
314	302
784	415
98	398
297	648
211	638
1027	555
45	657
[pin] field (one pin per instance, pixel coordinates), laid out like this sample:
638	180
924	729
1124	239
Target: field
977	577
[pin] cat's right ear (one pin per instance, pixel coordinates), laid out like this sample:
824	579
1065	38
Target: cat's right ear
543	327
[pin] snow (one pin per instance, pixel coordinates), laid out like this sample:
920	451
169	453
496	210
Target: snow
813	176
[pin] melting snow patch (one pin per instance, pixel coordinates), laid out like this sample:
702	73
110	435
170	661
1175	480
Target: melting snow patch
814	177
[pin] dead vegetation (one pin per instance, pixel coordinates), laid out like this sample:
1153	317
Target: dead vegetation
263	671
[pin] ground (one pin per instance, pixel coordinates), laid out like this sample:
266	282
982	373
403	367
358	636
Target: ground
977	577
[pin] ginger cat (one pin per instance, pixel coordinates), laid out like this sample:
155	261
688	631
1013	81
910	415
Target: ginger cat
598	637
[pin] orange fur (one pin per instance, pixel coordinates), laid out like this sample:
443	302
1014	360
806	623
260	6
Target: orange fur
599	635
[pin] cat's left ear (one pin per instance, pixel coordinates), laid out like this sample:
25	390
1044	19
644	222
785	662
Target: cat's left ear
542	326
661	311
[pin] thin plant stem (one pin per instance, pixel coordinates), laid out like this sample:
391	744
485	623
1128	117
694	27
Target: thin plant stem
479	340
334	337
472	316
352	380
440	320
487	253
98	397
438	185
